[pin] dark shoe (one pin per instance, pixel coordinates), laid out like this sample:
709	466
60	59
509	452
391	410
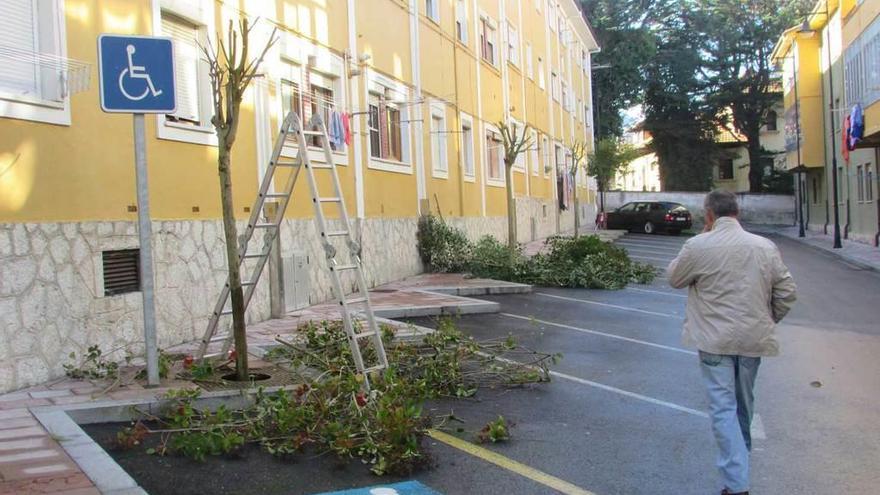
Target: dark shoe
728	492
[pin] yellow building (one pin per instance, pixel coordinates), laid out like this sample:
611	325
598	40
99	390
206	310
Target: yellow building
838	43
643	173
731	173
425	83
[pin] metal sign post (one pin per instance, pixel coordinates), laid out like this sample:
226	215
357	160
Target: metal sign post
137	77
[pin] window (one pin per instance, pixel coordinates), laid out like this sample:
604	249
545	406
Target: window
534	152
188	76
541	81
512	45
815	190
432	10
869	184
551	15
121	271
384	125
538	5
545	155
33	74
725	169
319	98
520	163
564	96
461	25
530	68
487	40
860	181
493	155
187	24
554	85
438	142
467	147
770	120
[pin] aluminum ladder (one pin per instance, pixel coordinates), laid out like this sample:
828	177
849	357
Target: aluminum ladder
292	126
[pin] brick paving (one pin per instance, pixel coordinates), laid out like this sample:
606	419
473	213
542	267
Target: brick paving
33	462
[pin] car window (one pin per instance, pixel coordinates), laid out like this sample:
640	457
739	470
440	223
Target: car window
642	207
657	206
628	207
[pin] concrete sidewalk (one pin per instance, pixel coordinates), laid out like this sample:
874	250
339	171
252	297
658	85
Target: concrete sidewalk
856	253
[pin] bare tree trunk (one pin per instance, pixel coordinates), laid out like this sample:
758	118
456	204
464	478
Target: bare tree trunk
756	171
511	208
233	263
577	216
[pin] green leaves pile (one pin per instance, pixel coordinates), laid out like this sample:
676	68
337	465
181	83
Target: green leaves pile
585	261
330	412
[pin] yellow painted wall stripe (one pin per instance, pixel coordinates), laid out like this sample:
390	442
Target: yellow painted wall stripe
509	464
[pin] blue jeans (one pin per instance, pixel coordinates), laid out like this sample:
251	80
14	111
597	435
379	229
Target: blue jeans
730	381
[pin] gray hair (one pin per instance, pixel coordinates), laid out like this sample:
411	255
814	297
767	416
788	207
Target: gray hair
721	203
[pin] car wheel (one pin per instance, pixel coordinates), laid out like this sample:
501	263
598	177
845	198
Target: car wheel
649	228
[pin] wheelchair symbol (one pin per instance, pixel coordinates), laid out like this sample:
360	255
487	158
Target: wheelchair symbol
136	72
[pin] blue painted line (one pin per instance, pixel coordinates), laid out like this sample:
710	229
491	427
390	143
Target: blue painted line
405	488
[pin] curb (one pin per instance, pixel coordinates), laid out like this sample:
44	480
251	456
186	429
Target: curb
830	252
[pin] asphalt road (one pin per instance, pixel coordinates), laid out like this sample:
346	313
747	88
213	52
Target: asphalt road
626	412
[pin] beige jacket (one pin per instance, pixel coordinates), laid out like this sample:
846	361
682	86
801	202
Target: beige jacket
738	289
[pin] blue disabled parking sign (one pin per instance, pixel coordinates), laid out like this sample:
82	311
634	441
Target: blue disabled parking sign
136	74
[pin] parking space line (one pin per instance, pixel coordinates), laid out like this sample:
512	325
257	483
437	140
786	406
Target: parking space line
614	306
509	464
601	334
640	250
641	244
633	395
665	293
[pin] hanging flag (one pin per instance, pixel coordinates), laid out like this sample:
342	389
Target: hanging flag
857	126
847	124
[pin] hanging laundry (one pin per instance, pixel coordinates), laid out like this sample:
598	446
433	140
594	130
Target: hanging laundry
346	128
337	135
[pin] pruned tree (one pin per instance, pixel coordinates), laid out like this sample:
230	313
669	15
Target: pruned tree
609	157
578	153
514	144
232	70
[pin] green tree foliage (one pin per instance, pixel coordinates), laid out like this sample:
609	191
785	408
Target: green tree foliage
744	87
609	157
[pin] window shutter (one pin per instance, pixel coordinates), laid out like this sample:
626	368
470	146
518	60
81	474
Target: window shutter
186	66
18	75
383	128
121	271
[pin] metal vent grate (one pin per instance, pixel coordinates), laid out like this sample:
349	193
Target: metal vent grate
121	271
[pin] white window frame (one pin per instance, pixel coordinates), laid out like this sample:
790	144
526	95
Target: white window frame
493	181
534	157
201	13
555	87
468	170
439	151
461	21
432	10
38	108
492	40
330	67
545	155
542	77
530	68
512	45
379	84
520	164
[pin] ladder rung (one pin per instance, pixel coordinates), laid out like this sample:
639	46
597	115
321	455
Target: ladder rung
249	282
336	233
356	300
313	133
374	368
362	335
266	226
334	199
226	312
321	167
342	268
276	195
218	338
251	256
287	164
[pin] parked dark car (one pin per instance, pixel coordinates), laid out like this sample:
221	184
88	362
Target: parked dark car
650	217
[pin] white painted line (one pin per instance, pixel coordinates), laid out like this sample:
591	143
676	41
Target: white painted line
758	432
601	334
665	293
614	306
633	395
645	245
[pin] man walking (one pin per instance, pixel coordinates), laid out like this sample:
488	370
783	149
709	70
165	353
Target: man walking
738	289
